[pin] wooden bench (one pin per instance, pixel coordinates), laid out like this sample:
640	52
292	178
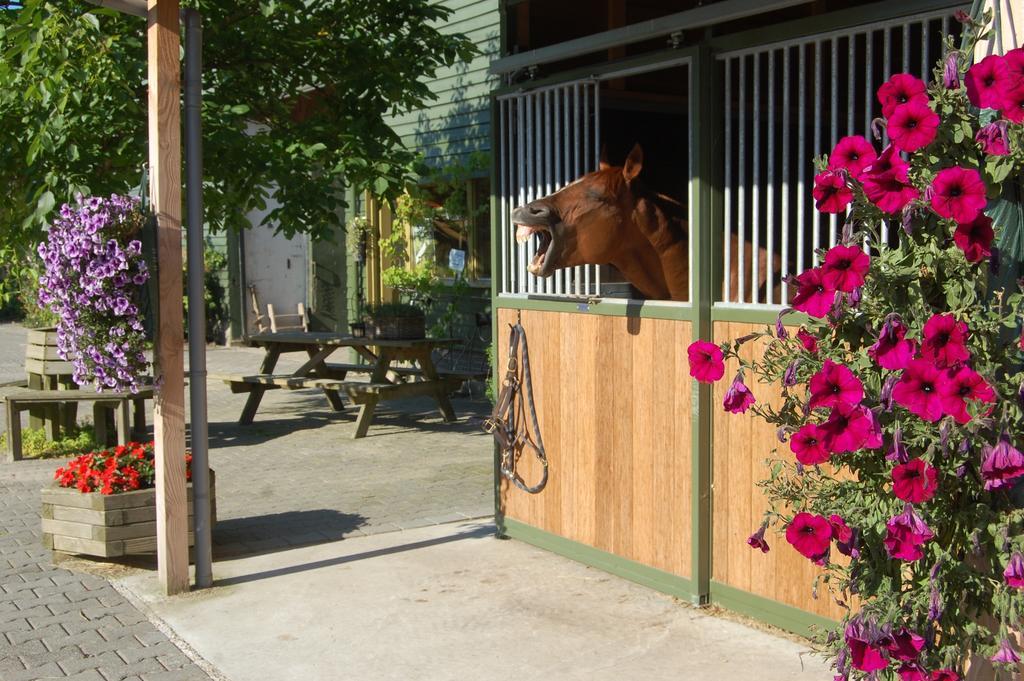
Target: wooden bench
22	399
366	395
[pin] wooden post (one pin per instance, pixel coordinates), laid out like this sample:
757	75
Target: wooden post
164	69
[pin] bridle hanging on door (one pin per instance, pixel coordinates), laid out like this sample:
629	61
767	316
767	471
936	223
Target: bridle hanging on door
507	422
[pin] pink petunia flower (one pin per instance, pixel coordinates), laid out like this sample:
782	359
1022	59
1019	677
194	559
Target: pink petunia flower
808	446
889	161
810	535
1014	572
892	350
866	645
1001	465
993	139
835	385
891	191
809	341
813	296
945	341
1012	103
845	267
850	428
944	675
911	671
1006	654
831	192
901	89
912	126
852	153
706	363
915	481
738	397
1014	60
986	82
918	390
958	193
757	540
974	238
906	645
844	536
964	384
906	534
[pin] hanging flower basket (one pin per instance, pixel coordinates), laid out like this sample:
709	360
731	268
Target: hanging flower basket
94	274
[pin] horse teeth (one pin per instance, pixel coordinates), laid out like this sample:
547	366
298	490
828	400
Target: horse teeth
523	233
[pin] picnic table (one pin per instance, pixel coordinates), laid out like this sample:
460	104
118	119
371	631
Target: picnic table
386	381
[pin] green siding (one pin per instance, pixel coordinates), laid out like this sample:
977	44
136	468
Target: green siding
457	122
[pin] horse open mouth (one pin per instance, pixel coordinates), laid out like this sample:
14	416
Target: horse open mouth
544	241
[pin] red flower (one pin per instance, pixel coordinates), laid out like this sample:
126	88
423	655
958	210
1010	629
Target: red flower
738	397
900	89
993	139
974	238
918	390
915	481
865	657
849	428
913	125
706	363
889	161
757	540
1012	103
892	350
964	384
890	192
1014	60
911	671
813	296
1014	572
844	268
986	81
831	192
945	675
852	153
835	385
945	341
906	646
808	446
958	193
1001	465
810	342
906	534
810	535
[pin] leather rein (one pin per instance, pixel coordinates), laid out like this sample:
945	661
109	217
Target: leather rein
507	422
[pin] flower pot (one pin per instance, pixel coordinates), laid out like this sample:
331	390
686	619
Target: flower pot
396	328
106	525
358	329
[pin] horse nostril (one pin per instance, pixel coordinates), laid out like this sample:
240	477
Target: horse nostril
539	211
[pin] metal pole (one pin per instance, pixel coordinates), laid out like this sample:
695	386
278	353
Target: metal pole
196	308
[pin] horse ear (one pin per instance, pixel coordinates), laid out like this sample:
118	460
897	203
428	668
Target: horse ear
634	163
603	163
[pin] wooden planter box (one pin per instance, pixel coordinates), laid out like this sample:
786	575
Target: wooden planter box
106	525
396	328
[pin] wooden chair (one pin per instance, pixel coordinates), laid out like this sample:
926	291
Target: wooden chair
274	322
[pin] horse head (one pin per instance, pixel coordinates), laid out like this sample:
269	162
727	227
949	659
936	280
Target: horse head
604	217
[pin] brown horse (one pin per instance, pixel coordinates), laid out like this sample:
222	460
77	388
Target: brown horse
608	217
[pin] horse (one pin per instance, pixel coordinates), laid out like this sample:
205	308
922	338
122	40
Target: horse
609	217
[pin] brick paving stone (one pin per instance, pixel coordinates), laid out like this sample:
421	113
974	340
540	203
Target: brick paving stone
51	617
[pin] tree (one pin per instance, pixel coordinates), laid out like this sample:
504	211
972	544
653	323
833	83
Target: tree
295	98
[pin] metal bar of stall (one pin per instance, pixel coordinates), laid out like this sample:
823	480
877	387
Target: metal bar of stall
770	189
578	167
755	190
584	152
528	161
784	204
727	192
926	49
815	216
801	162
503	193
906	47
833	219
570	161
543	284
550	181
521	168
596	151
887	73
741	183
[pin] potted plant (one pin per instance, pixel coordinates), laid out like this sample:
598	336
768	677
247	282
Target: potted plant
104	503
901	401
94	271
395	321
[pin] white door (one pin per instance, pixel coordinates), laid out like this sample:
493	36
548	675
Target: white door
276	266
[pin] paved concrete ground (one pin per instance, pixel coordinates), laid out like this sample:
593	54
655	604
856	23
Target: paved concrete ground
451	603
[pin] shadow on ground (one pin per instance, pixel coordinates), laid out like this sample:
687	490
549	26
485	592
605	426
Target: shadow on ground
257	535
